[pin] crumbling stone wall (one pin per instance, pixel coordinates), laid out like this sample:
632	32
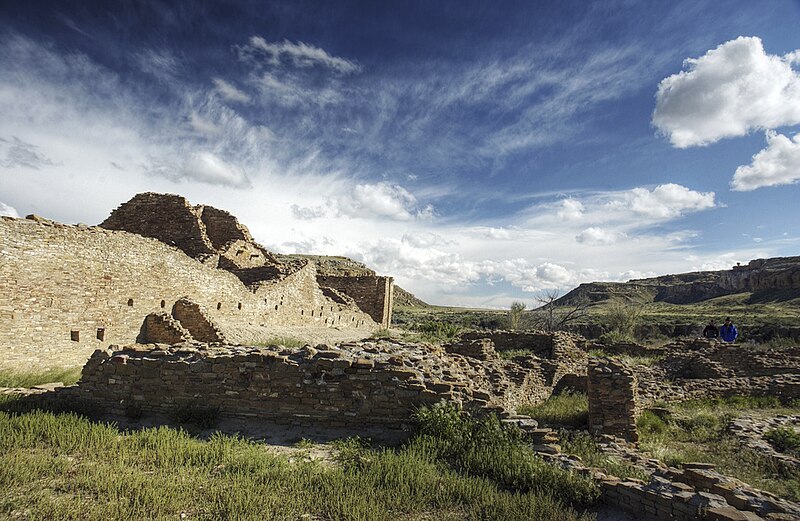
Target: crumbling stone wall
612	394
68	290
217	238
556	356
196	320
372	294
354	384
696	369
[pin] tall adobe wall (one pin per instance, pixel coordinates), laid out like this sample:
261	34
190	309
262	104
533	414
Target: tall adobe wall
67	290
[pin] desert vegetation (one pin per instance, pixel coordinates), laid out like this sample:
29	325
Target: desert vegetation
697	431
65	466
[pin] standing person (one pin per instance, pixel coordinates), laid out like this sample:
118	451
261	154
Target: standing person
728	331
711	331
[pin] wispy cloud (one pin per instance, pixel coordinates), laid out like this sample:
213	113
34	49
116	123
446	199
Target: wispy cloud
229	92
261	52
20	153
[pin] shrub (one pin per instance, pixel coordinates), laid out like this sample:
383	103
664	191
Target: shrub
784	440
621	318
515	315
485	448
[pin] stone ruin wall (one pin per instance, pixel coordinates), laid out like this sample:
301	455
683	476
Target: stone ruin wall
351	385
68	290
691	370
372	294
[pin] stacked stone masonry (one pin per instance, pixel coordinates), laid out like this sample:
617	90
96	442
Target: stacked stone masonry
350	385
68	290
612	395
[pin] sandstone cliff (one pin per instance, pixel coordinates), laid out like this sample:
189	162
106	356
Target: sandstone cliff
767	279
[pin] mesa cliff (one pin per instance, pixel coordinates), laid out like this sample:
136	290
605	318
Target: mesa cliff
767	279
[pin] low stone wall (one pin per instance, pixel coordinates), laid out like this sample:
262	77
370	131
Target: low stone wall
612	394
354	384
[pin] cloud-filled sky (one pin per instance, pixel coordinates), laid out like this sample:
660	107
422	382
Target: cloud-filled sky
478	153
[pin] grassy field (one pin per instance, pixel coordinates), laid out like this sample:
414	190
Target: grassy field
63	466
746	309
32	378
696	431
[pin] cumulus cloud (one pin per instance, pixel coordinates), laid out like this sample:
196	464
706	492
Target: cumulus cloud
300	54
597	236
778	164
665	201
728	92
570	210
229	92
8	211
385	200
20	153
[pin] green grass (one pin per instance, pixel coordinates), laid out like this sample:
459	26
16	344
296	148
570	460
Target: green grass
569	410
784	440
580	443
63	466
697	431
66	376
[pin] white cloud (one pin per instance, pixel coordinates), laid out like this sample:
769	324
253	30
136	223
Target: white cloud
728	92
570	210
778	164
666	201
203	166
229	92
299	54
8	211
597	236
384	200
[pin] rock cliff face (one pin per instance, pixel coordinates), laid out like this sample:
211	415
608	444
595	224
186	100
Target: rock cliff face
777	278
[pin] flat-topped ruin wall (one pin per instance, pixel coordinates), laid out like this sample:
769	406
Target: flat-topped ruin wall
68	290
378	383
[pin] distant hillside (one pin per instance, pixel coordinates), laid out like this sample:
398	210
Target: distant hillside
767	280
404	298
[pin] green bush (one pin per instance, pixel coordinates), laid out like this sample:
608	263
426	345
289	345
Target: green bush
435	331
620	319
784	440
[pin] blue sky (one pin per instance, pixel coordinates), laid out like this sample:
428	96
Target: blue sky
478	153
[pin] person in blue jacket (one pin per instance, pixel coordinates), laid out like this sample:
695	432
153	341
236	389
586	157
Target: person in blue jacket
728	331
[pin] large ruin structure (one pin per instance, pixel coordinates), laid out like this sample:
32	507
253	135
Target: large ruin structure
160	269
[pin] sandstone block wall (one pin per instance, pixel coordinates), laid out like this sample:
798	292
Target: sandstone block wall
68	290
355	384
612	393
373	295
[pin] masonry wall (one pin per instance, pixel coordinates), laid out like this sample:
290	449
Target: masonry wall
372	294
67	290
612	394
